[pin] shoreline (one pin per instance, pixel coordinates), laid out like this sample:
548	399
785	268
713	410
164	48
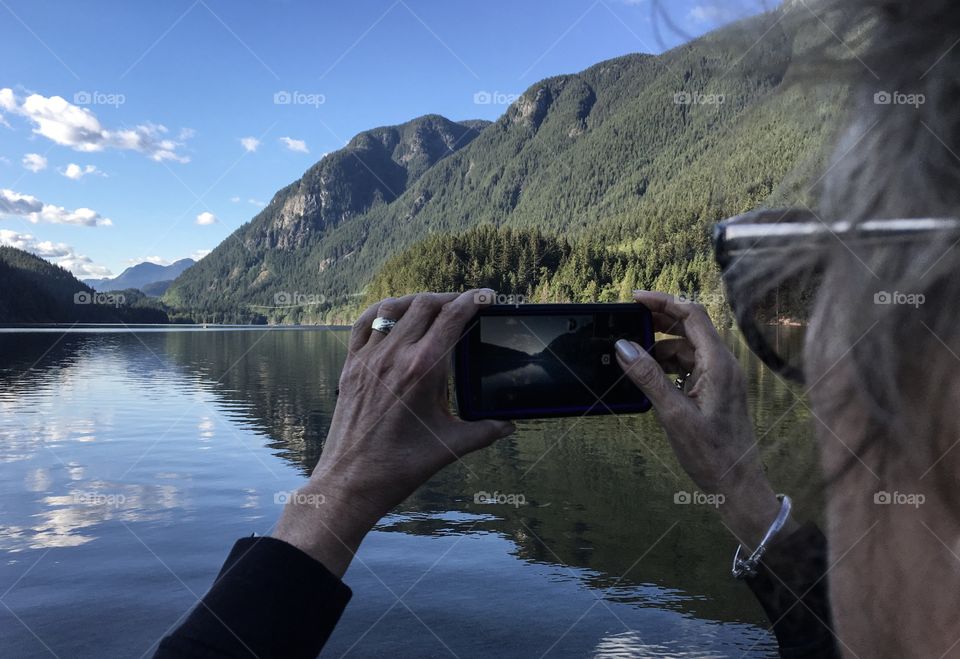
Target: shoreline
20	327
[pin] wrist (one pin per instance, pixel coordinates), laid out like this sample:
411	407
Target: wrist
748	511
325	524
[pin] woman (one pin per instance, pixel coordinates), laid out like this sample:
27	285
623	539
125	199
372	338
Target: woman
880	363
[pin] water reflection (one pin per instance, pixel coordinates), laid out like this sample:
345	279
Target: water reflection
168	430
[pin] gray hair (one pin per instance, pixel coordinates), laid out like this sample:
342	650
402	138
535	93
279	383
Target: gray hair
897	157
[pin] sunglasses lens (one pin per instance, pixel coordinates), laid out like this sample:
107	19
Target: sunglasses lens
772	280
774	323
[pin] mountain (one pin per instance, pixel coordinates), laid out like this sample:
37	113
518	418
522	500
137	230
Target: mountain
36	291
374	169
142	276
640	155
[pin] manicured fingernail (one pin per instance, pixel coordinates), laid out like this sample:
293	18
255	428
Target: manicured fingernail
626	350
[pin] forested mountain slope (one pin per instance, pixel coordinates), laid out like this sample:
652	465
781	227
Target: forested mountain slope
36	291
640	155
274	251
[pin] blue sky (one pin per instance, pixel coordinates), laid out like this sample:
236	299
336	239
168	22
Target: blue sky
136	131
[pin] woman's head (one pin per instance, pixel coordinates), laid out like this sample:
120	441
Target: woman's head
883	349
882	352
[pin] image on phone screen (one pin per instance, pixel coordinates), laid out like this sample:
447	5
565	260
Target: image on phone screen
544	363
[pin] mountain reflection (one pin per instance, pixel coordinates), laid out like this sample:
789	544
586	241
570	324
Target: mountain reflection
598	494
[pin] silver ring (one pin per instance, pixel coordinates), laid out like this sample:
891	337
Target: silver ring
682	381
383	325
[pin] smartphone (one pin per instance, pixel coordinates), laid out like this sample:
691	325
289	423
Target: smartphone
549	360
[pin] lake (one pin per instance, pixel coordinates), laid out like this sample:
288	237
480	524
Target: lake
133	459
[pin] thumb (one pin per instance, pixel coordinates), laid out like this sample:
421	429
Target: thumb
646	373
474	435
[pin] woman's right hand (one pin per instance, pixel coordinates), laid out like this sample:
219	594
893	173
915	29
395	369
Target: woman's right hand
707	422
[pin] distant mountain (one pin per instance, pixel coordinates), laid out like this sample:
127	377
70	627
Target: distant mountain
639	155
36	291
142	276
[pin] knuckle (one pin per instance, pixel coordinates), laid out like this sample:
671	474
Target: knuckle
645	372
363	320
699	311
451	311
386	304
422	300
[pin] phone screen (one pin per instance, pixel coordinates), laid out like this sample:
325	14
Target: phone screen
549	360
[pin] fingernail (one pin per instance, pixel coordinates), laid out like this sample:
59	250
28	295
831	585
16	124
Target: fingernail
626	350
508	429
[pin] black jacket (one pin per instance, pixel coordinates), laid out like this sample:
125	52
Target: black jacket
272	600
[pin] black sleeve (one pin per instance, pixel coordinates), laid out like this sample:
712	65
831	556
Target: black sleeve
791	585
269	600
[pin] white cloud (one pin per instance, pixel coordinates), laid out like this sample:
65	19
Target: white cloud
8	101
4	123
35	211
78	128
59	253
76	172
235	200
256	202
295	145
206	218
250	143
200	253
34	162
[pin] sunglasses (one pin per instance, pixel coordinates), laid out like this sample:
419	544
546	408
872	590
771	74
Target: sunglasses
765	234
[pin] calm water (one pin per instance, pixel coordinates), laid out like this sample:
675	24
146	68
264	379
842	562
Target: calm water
132	461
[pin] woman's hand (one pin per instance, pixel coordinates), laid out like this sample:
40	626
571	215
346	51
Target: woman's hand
392	428
707	422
